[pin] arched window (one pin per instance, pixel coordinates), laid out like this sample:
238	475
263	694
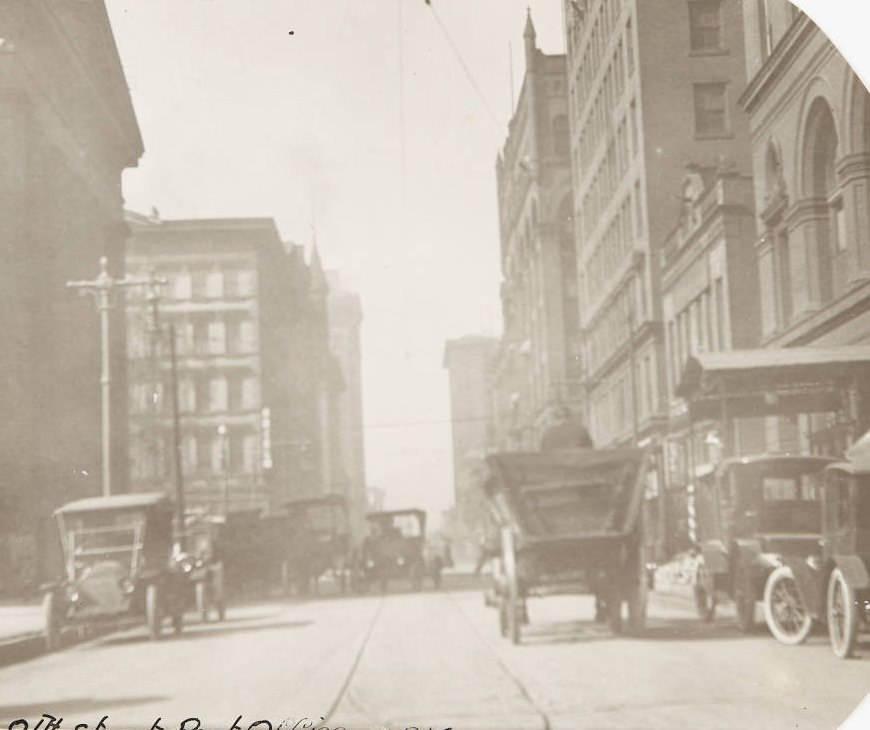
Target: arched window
820	184
561	135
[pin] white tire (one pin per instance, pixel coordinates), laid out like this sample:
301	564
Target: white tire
784	611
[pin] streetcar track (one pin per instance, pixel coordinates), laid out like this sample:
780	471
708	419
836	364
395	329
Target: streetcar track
345	685
514	678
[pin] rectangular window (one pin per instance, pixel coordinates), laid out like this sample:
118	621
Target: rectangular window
182	287
184	338
217	394
246	283
187	396
217	338
711	111
250	399
247	336
214	284
705	25
219	454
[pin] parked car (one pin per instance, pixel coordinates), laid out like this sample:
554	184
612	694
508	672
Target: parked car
831	585
752	512
118	564
318	541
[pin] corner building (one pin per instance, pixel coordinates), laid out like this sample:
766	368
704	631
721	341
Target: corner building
653	88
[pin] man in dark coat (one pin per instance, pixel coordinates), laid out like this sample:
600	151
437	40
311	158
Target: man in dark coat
566	433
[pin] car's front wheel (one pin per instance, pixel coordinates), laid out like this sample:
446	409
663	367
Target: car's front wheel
784	611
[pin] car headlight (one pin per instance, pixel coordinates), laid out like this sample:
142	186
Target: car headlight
74	596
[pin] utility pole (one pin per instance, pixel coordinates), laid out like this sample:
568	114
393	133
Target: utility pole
153	299
101	289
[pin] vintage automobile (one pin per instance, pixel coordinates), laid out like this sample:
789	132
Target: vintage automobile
202	544
752	511
119	564
393	549
832	584
319	541
572	522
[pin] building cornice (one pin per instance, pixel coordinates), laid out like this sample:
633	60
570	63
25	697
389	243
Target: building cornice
791	44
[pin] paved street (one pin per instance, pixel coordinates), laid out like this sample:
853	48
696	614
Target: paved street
436	659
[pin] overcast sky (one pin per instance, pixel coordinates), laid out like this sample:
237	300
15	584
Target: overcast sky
241	118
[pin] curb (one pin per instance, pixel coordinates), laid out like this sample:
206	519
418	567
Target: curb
21	648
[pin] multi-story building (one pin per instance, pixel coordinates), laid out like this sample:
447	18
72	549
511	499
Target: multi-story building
809	116
709	284
468	361
653	87
345	320
537	366
68	131
252	360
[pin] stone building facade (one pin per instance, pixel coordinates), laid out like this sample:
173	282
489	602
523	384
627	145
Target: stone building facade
537	367
809	116
653	87
68	132
253	364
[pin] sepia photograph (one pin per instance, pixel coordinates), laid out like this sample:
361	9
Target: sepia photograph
434	365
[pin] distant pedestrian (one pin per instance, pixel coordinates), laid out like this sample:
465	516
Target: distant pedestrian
566	433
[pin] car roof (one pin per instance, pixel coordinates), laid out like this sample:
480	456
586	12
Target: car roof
117	501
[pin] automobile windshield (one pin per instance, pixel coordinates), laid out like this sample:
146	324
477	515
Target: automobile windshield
790	501
95	538
406	526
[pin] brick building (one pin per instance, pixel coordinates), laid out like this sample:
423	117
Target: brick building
537	366
653	87
68	131
254	366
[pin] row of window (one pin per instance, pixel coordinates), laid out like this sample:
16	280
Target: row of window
611	251
215	394
597	123
212	283
612	408
607	177
207	335
592	54
236	452
699	327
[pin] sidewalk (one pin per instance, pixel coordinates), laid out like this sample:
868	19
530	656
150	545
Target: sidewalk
19	619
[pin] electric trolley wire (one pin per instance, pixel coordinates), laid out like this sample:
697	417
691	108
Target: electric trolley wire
465	67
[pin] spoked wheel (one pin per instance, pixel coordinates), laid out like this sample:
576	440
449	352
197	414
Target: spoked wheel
784	611
52	621
153	611
614	609
744	602
842	615
705	595
512	598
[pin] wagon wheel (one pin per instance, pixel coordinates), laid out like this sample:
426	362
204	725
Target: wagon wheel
842	616
784	611
638	592
153	611
705	594
512	597
744	601
53	621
